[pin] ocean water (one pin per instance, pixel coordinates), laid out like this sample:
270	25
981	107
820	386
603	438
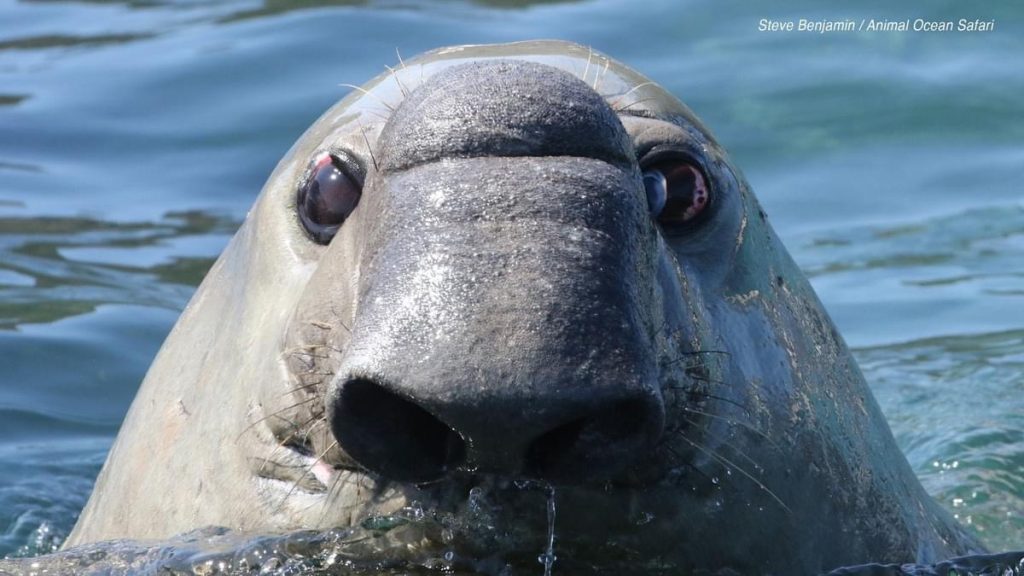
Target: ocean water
135	134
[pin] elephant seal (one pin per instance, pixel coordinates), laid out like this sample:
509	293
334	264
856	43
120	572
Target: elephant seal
523	262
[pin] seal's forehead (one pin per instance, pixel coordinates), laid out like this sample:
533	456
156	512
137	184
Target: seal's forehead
628	91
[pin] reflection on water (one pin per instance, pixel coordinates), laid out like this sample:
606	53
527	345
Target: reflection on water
950	274
11	99
274	7
59	41
53	268
136	133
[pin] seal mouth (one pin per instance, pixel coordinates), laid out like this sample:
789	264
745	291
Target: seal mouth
295	466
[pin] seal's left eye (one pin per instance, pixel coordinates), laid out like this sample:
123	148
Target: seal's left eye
328	196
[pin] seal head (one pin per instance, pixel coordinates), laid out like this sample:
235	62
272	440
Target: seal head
508	264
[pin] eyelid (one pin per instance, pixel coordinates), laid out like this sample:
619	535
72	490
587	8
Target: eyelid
661	152
349	164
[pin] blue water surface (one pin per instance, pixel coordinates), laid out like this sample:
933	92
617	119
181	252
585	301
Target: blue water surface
135	134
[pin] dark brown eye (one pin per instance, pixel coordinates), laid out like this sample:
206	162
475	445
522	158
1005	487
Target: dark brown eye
677	192
328	196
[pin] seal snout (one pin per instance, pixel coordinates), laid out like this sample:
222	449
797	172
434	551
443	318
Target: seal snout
400	439
506	287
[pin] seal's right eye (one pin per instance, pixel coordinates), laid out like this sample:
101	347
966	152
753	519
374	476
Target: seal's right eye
328	196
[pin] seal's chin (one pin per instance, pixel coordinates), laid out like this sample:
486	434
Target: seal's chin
485	522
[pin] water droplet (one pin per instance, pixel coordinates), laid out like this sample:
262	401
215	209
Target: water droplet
413	512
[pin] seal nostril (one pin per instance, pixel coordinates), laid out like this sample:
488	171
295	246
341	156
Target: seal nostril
597	445
392	436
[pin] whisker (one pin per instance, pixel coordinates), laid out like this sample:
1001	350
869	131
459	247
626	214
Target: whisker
400	61
303	430
309	373
327	500
733	422
689	466
705	394
631	90
336	484
598	79
366	92
283	444
631	104
707	379
333	309
727	401
369	149
728	463
305	387
731	446
276	413
586	70
340	323
302	351
394	74
377	114
315	373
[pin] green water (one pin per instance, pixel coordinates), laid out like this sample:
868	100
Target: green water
134	135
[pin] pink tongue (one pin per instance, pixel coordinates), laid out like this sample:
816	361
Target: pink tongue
323	473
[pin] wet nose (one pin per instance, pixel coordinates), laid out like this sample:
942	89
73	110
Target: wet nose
559	438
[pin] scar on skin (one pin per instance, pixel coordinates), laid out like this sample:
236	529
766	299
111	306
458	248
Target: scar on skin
743	299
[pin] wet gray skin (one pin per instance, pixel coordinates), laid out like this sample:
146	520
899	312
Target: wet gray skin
507	302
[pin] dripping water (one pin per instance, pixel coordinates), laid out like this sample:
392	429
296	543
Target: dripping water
548	557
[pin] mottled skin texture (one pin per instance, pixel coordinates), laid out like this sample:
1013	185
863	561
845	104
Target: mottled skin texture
502	272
